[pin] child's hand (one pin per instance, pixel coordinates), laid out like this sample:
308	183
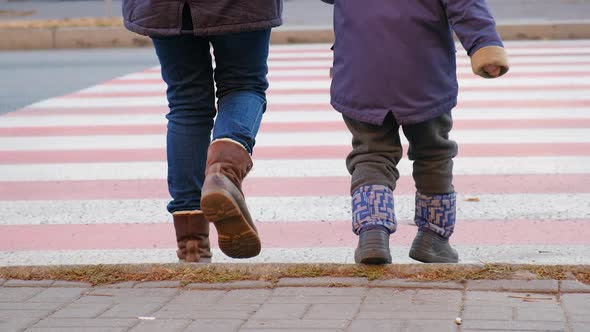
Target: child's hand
490	62
492	70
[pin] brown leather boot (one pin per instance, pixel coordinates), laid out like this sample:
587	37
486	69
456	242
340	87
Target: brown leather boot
223	201
192	236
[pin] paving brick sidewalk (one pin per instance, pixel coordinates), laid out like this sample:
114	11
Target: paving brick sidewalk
321	304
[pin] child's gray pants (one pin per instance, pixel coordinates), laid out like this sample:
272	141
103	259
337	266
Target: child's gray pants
377	150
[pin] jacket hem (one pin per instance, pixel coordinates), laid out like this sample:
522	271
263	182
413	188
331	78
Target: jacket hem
207	31
424	115
377	116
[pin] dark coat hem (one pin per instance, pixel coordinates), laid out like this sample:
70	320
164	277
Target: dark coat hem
377	116
208	31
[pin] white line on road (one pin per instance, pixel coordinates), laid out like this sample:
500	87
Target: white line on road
291	139
516	51
290	209
537	254
561	58
510	43
272	116
289	86
461	59
307	99
287	168
285	72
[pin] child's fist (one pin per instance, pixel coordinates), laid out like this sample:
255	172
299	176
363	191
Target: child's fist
492	70
490	62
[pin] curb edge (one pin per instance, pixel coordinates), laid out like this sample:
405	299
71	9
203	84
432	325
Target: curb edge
119	37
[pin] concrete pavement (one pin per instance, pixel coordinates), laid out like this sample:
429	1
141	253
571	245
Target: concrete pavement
308	304
306	21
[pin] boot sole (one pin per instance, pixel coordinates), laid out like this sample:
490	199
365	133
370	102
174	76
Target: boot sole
192	251
237	239
191	254
372	257
425	255
373	248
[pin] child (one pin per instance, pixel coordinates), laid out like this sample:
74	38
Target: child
394	65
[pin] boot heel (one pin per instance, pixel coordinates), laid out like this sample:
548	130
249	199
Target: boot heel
431	248
373	248
235	236
192	251
218	206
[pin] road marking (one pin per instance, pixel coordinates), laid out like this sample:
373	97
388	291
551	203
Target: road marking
563	206
71	176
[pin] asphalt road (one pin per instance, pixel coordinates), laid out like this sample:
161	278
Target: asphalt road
31	76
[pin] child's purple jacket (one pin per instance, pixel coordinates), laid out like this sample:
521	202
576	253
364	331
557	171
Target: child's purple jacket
398	56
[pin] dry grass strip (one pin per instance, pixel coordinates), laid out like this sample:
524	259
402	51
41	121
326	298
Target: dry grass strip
83	22
217	273
16	13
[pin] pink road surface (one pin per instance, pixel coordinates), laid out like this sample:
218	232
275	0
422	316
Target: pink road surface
277	107
90	95
282	127
308	186
325	77
277	153
285	235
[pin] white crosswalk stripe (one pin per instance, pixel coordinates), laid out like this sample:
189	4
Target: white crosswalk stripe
287	168
292	209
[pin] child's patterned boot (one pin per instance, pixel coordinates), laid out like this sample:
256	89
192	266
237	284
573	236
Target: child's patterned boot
373	219
435	218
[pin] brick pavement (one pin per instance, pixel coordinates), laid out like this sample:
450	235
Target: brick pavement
304	305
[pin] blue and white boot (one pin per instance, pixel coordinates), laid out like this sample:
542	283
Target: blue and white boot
373	220
435	218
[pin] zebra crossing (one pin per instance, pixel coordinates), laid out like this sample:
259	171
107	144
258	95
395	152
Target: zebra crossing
83	176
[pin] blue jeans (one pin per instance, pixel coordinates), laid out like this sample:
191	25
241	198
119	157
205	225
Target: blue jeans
240	79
